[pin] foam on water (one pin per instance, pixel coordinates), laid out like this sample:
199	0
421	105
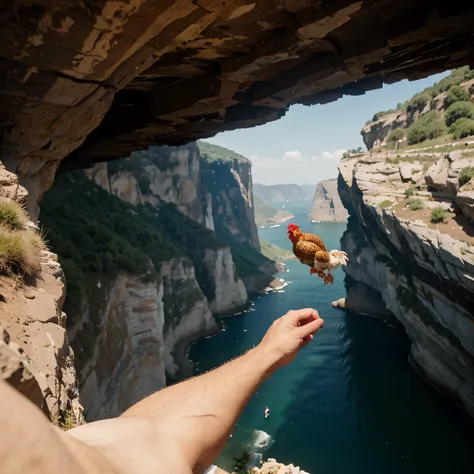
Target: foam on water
262	439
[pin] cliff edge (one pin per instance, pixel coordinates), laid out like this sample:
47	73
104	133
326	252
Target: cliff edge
410	239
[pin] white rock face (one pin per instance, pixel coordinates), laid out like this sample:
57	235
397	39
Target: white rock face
327	205
143	323
229	292
172	175
424	278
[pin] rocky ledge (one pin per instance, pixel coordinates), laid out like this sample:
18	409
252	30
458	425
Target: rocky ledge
403	263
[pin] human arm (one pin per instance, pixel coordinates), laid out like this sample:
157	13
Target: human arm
199	414
182	428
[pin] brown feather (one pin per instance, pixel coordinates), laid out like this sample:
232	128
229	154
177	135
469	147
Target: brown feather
308	237
322	256
305	251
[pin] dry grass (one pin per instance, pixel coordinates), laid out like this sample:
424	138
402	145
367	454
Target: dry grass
385	204
20	251
12	215
415	204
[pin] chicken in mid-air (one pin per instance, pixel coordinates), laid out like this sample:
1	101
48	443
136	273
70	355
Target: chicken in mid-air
310	250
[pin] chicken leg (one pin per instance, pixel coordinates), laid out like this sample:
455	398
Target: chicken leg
320	273
329	279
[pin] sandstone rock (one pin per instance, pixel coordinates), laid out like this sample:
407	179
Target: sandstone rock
327	205
15	369
375	134
447	206
340	303
437	175
465	200
424	277
410	171
33	326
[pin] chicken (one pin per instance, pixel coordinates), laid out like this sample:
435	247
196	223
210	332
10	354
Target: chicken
310	250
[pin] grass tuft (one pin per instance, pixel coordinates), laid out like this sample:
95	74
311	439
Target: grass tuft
12	215
415	204
20	251
438	215
385	204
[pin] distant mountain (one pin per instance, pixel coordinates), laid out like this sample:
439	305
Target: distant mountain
309	188
282	192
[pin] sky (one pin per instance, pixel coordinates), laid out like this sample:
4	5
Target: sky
306	145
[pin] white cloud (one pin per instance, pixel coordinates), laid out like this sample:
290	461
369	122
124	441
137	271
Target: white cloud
331	155
292	154
294	167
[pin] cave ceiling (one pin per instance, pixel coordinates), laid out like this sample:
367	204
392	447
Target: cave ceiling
88	81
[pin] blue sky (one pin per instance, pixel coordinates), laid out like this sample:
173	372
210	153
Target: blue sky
305	146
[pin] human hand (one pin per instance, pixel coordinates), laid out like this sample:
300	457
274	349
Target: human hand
287	335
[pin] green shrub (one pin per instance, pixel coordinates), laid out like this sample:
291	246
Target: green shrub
457	76
418	101
428	126
395	135
466	175
459	110
415	204
462	128
385	204
12	215
241	462
20	251
456	94
381	114
438	215
409	192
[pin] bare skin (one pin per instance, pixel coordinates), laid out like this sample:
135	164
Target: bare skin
179	429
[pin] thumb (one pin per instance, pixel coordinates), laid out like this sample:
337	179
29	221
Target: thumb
310	328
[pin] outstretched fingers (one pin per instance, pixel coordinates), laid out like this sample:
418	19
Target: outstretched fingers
309	329
299	317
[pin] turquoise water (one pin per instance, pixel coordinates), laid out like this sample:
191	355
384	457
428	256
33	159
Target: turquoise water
350	403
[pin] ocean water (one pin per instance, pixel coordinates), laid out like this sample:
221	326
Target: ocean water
350	403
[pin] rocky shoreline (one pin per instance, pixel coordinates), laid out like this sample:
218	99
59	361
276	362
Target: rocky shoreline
278	218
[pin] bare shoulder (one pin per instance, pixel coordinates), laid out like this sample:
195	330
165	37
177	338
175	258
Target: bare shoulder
132	445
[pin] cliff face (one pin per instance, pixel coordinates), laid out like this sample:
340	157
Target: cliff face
419	271
159	174
149	277
35	356
142	324
230	185
227	178
327	205
174	175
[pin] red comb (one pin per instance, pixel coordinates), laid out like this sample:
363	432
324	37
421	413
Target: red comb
292	227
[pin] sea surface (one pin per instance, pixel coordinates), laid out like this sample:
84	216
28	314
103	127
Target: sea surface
350	403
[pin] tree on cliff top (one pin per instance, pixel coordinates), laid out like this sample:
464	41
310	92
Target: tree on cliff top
420	99
210	153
